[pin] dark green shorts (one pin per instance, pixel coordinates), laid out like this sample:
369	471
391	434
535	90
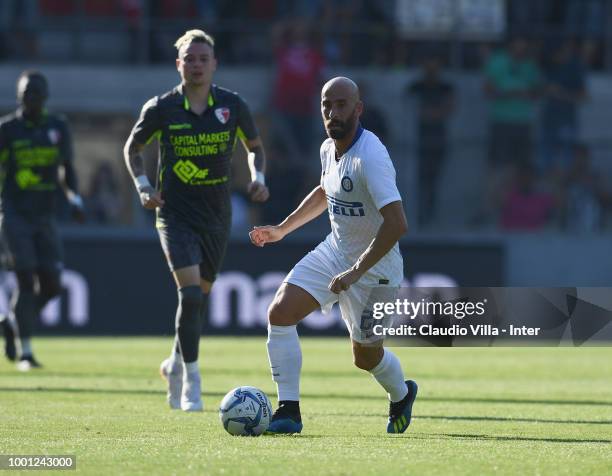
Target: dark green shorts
31	243
184	246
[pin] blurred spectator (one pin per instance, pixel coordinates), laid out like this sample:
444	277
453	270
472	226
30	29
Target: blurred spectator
103	199
525	206
512	85
166	19
585	194
372	118
208	11
299	69
338	19
254	46
241	30
435	98
133	13
377	36
564	90
586	19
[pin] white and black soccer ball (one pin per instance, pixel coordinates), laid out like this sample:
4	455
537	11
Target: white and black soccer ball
245	411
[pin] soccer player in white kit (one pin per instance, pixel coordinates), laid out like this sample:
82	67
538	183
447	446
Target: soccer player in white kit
358	263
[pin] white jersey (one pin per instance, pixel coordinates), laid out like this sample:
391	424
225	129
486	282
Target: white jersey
357	186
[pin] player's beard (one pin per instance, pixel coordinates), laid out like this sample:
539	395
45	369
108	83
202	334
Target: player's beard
343	128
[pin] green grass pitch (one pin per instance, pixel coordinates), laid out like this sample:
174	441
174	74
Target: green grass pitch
479	411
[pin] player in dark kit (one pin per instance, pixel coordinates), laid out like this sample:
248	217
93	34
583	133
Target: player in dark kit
197	125
35	158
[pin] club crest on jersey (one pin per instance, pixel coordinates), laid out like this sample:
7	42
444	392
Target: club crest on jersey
223	114
54	136
347	183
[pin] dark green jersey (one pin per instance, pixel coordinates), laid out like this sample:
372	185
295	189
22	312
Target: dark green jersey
30	154
195	153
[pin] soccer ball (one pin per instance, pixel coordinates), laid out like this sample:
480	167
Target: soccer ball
245	411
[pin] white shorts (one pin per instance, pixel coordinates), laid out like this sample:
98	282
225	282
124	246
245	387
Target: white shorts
315	271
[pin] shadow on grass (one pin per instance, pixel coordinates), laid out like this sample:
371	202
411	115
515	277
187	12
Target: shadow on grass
467	436
471	418
528	401
411	435
510	419
139	373
306	395
452	436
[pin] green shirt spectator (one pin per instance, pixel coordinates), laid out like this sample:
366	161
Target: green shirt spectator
512	82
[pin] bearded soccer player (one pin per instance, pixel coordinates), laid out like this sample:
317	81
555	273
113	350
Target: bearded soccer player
35	158
359	262
196	125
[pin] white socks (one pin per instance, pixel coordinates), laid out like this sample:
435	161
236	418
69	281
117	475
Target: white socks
388	373
285	357
191	368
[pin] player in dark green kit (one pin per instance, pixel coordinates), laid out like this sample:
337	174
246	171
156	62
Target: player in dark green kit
197	125
35	158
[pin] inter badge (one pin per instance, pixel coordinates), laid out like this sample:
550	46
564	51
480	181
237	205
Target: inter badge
347	184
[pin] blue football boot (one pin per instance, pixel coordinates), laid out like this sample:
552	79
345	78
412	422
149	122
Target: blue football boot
286	420
400	413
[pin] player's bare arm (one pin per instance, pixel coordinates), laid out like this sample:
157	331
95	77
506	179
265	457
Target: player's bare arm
132	154
311	207
394	225
257	189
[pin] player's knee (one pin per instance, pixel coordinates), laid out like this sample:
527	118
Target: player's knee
190	296
362	362
281	314
275	313
366	358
